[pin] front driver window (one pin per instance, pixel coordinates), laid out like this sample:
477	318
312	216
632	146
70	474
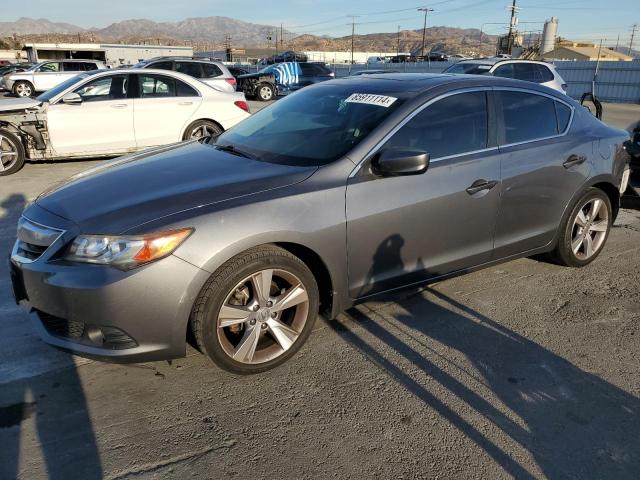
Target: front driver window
454	125
104	89
50	67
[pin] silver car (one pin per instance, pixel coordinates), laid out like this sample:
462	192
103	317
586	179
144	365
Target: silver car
213	73
528	70
44	76
344	190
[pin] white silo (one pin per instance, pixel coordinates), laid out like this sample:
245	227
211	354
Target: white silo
549	35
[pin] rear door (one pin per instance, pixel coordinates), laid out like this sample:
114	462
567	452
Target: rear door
163	107
541	166
405	229
101	124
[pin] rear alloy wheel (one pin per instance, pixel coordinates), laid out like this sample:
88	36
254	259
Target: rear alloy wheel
585	231
201	129
265	92
11	153
23	89
256	311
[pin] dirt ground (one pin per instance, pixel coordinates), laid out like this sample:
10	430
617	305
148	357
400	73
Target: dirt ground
525	370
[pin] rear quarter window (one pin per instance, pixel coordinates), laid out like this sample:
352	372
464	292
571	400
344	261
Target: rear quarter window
563	115
211	70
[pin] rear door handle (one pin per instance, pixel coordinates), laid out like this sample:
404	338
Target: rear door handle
574	160
185	103
480	185
119	105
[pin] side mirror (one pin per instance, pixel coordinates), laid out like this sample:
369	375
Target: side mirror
400	162
72	98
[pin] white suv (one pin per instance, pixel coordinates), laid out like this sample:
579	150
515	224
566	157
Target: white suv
528	70
46	75
214	74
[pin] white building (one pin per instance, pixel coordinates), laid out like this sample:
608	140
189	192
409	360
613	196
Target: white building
112	54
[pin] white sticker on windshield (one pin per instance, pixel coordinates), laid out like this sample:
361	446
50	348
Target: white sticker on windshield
371	99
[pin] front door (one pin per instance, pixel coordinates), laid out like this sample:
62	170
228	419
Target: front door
162	109
48	76
405	229
101	124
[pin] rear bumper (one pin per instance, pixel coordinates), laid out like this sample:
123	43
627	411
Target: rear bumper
100	312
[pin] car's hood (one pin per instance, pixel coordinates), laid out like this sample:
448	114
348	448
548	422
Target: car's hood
12	104
128	192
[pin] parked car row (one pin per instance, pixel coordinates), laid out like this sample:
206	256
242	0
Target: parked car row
112	112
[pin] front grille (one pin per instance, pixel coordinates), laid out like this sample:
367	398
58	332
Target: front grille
34	239
61	327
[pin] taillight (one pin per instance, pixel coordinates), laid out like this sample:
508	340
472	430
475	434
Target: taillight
231	81
242	104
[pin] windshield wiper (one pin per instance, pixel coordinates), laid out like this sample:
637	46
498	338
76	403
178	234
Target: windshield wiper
233	150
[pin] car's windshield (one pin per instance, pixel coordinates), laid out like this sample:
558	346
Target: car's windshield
49	94
470	68
315	126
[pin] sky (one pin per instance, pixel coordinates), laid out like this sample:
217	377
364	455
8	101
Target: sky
585	20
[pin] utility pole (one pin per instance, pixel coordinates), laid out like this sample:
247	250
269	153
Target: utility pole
424	27
512	27
281	41
634	27
398	42
353	32
617	42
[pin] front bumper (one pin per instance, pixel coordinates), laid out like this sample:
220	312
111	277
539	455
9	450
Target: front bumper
101	312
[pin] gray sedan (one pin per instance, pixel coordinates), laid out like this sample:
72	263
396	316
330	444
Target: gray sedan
345	190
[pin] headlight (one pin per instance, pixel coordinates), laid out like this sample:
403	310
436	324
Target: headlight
125	252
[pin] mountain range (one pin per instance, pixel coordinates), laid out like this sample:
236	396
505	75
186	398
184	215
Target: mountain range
209	33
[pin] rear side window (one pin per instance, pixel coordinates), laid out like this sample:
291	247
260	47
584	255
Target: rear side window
189	68
563	115
312	69
156	86
526	116
162	65
451	126
88	66
211	70
74	67
528	72
184	90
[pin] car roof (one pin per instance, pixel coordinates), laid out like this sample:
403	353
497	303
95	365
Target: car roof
496	60
417	83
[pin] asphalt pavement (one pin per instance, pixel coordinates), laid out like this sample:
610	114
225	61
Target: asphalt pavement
525	370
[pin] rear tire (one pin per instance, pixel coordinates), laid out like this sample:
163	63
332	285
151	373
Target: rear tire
12	153
584	232
256	311
24	89
265	92
201	129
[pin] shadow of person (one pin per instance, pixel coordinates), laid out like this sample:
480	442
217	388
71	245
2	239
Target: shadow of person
38	384
573	423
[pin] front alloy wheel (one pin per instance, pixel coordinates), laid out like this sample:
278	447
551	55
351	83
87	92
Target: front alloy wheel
256	310
23	89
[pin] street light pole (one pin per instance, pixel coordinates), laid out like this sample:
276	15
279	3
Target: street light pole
424	27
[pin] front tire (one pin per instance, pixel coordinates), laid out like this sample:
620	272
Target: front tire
256	310
585	230
12	154
23	89
265	92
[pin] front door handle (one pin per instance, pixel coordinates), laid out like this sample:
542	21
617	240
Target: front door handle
574	160
480	185
119	105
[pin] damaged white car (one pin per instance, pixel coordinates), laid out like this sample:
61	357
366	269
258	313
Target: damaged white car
106	113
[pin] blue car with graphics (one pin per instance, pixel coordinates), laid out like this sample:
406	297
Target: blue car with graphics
282	79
